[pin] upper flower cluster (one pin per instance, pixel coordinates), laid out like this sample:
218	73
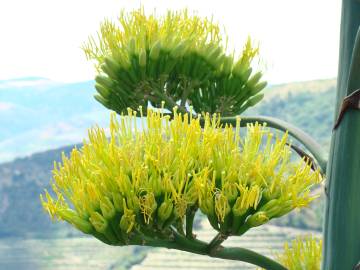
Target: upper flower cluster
145	178
177	58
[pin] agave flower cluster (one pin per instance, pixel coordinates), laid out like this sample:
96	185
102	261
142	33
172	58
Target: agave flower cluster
146	179
175	58
303	253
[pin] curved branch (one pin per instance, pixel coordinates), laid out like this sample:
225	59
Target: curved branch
249	256
314	148
180	242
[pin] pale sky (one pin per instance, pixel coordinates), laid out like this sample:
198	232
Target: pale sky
298	39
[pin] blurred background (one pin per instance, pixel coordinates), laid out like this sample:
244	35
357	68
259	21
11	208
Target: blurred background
46	107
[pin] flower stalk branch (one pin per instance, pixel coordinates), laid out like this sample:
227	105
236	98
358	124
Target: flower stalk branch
216	242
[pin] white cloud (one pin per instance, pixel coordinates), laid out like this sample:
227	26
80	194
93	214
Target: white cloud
6	106
34	83
299	39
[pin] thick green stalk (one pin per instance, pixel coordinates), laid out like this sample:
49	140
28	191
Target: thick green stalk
342	216
314	148
249	256
199	247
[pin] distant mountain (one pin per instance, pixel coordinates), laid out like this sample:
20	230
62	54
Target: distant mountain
21	182
50	116
37	114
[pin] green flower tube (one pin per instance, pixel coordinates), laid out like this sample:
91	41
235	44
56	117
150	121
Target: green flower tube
107	208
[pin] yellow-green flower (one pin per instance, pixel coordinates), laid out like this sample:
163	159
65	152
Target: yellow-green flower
142	179
178	57
302	253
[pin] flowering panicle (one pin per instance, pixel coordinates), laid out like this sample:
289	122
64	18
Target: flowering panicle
302	253
145	178
179	57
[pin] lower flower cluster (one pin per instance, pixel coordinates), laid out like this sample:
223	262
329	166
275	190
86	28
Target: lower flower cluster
145	179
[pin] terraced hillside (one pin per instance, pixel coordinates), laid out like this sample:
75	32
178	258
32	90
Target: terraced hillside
80	253
267	240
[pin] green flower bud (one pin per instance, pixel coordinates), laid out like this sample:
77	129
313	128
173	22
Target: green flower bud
73	218
155	184
165	210
127	221
99	222
257	219
255	99
118	202
206	206
155	50
230	191
124	184
112	68
107	208
215	53
239	208
245	76
284	209
179	50
242	70
271	194
133	202
218	61
227	65
108	71
103	101
254	79
191	195
269	205
103	91
104	81
257	88
142	58
272	207
132	45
